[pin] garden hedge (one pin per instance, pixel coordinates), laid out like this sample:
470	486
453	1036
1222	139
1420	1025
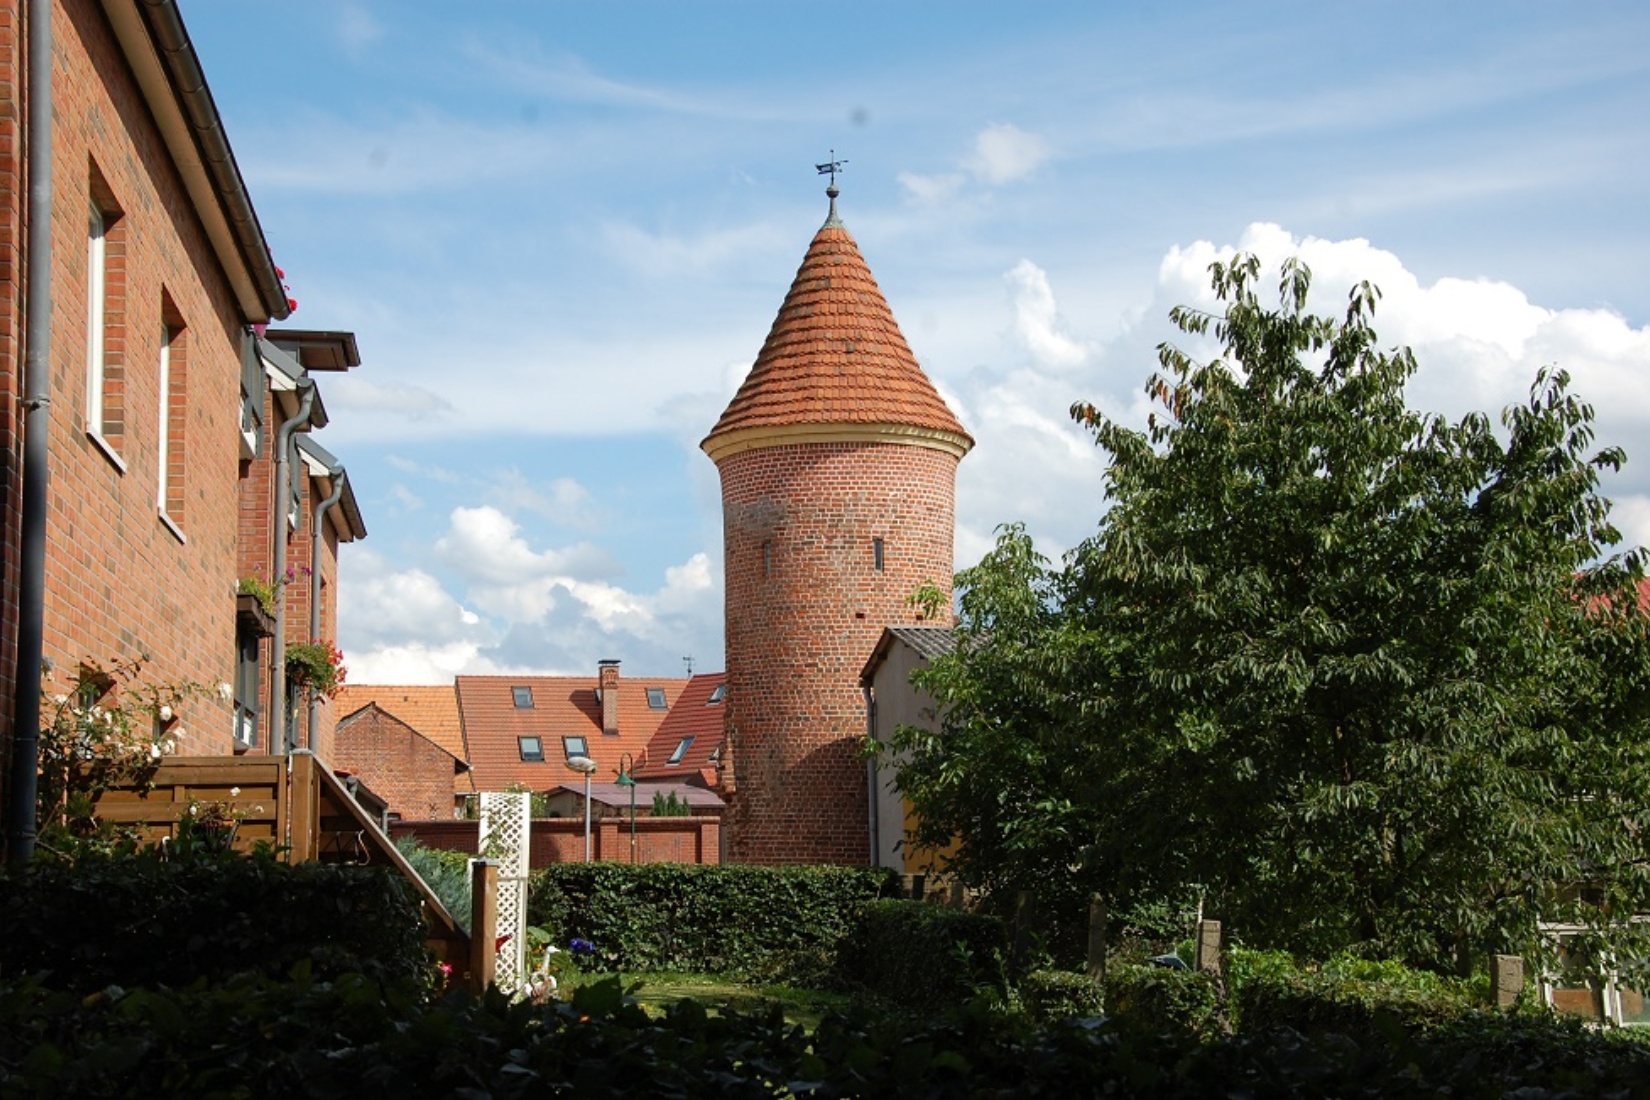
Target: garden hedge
254	1037
741	921
138	921
923	956
1344	995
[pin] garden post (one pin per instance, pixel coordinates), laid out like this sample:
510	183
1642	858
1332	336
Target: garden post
1507	979
1208	947
1097	937
483	923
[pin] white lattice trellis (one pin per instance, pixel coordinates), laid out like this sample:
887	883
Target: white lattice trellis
506	827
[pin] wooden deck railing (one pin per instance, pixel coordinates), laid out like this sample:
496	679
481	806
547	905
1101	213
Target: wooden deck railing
297	806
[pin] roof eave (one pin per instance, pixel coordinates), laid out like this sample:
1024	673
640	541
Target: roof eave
168	72
726	444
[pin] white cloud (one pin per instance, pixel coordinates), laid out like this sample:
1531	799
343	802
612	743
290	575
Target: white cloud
562	499
1004	153
484	545
1037	320
357	29
665	254
362	397
1631	516
381	607
929	189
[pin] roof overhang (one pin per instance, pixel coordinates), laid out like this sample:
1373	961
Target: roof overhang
157	47
315	349
739	440
320	464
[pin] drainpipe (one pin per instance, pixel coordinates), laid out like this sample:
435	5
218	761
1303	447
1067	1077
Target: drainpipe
283	494
871	769
31	580
315	547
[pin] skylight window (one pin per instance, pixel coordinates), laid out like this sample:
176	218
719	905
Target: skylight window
523	697
718	694
574	746
681	750
532	749
656	699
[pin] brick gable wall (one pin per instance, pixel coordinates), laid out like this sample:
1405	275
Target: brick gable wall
409	771
119	582
805	607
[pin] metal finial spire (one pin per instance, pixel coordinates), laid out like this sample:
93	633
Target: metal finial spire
831	168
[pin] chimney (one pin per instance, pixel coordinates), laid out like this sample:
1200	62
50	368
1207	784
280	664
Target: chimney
607	681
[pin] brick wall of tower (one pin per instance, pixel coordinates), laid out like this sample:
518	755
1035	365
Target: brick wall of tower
805	607
120	580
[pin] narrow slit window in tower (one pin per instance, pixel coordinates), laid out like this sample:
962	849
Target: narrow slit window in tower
767	559
876	553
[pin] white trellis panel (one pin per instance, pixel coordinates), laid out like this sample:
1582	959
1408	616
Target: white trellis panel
506	830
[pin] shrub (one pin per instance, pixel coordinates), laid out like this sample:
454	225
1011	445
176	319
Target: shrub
923	956
772	923
1344	995
1158	999
138	921
1049	995
446	872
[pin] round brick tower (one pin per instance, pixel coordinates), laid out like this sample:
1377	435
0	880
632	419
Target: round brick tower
839	467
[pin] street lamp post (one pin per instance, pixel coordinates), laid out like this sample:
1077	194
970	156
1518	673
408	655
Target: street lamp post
626	766
588	767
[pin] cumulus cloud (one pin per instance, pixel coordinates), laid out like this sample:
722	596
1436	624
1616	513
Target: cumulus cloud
485	546
381	607
1037	318
562	500
1478	343
1004	153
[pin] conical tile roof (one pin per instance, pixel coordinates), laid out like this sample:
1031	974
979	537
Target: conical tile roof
835	357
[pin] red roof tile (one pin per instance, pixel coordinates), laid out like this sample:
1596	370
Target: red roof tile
695	716
563	706
835	355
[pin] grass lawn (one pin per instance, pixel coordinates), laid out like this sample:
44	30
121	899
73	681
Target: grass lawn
660	989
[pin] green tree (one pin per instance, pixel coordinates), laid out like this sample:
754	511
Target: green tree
1366	675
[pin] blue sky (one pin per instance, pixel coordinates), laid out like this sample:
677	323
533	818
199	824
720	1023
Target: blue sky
561	231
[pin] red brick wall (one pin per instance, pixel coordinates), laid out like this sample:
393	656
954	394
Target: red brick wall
406	769
805	607
119	583
12	197
561	840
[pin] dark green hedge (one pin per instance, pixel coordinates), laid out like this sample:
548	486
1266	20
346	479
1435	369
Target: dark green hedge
256	1038
1343	995
923	956
749	922
138	921
1155	998
1050	995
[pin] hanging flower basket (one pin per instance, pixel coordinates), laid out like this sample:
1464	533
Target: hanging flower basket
318	666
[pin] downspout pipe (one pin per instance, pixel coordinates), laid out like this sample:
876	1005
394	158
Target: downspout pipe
316	545
871	771
283	494
31	579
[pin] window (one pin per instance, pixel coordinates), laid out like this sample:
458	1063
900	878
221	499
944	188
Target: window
718	694
876	554
767	558
523	697
97	270
574	746
656	699
174	424
681	750
105	322
246	685
532	749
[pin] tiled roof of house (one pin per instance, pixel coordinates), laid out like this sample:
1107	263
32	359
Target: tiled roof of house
431	710
693	715
617	795
835	354
562	707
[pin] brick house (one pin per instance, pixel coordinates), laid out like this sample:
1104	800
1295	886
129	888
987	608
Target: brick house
130	376
412	773
431	711
838	462
687	748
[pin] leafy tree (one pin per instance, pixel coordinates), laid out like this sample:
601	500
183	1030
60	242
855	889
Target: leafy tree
1365	675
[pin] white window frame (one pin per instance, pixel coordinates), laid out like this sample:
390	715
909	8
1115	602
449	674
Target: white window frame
167	332
96	303
1611	991
682	747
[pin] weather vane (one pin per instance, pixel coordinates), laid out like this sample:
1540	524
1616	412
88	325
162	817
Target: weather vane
831	167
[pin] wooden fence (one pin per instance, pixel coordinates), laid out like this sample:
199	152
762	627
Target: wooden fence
297	806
